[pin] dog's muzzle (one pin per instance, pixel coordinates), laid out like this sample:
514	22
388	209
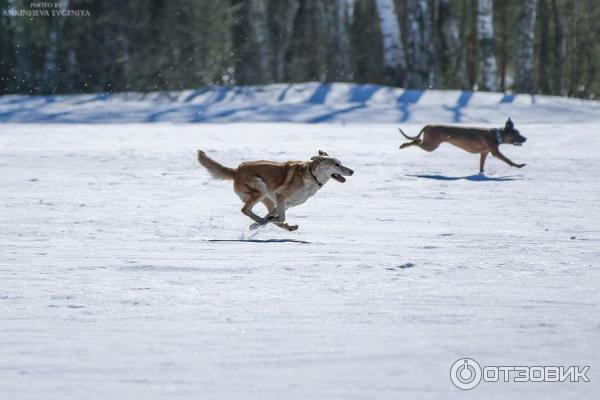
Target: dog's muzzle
340	178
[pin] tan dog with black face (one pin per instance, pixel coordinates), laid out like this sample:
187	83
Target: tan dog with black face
473	140
278	186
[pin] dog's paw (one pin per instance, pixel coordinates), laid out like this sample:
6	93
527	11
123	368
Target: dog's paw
256	225
292	228
520	165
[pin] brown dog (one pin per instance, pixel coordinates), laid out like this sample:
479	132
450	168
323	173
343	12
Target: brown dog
277	185
473	140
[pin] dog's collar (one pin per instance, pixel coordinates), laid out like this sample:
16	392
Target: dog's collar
498	136
313	175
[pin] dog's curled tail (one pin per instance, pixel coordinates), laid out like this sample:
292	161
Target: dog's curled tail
217	170
411	138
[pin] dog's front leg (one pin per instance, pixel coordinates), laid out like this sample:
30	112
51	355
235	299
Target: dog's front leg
502	157
277	210
482	161
280	208
285	226
280	211
277	214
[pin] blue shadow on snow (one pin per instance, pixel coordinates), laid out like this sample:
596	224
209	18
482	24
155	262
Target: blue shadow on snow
359	94
462	102
472	178
259	241
320	94
406	99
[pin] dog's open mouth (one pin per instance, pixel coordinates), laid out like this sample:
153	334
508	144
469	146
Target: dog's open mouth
338	178
517	144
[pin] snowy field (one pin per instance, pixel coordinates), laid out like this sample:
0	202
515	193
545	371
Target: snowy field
128	273
309	102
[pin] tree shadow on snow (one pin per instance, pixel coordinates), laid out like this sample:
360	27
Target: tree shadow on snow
473	178
259	241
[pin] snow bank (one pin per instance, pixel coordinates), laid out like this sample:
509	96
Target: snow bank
304	102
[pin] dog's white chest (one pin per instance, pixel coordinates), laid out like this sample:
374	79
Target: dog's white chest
301	195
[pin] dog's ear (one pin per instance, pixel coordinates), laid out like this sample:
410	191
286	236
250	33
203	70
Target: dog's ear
322	153
509	124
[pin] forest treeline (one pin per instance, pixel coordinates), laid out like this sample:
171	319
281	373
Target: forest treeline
524	46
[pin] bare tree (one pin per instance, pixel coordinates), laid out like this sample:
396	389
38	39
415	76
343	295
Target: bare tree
413	43
339	17
485	36
5	46
544	52
283	16
503	41
50	70
524	62
259	25
558	49
454	55
393	49
23	66
420	66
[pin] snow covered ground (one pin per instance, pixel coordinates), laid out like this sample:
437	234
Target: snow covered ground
302	102
128	273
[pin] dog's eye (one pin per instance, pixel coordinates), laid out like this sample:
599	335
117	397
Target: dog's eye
337	164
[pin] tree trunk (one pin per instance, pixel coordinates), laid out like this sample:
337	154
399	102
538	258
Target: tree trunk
421	65
23	68
283	17
339	66
558	49
468	24
453	48
393	49
72	72
543	61
49	78
524	70
259	26
485	36
5	51
503	47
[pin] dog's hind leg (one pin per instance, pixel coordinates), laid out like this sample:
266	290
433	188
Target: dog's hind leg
428	143
247	209
408	144
257	192
414	140
269	204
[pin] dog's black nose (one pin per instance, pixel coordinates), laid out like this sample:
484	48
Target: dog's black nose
524	139
351	172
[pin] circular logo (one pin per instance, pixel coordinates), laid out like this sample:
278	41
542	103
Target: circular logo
465	373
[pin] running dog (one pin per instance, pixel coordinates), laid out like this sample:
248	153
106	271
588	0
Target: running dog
278	186
473	140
